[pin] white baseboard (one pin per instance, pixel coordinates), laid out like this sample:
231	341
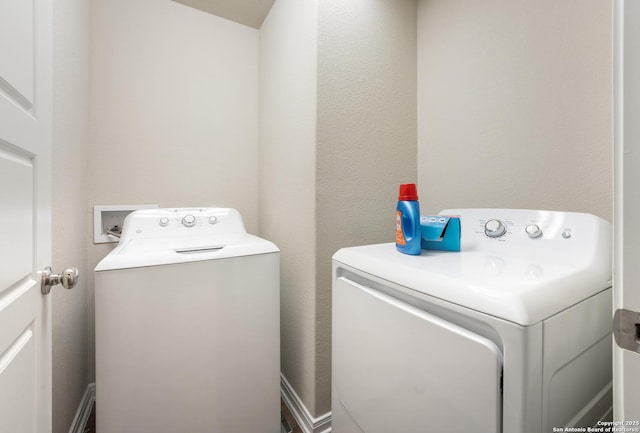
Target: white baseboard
307	423
84	410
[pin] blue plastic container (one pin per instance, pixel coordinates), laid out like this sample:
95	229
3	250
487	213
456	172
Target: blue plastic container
408	230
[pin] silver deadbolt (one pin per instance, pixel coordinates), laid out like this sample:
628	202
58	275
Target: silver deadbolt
68	279
626	329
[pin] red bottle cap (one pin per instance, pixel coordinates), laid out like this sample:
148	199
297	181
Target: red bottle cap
408	192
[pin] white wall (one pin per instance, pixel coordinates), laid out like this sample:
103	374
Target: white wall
514	105
71	37
174	107
174	110
337	136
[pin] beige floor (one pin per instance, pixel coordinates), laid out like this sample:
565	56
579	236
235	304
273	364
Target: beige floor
290	420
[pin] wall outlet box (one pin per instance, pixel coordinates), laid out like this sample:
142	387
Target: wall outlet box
110	218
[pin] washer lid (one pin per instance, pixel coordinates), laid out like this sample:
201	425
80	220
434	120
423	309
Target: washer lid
154	237
517	277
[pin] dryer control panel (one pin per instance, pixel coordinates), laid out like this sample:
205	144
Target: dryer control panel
540	236
496	228
503	225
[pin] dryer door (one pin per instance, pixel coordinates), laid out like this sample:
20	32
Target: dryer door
397	368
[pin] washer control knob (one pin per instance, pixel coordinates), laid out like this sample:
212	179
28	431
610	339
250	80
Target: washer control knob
189	220
533	231
494	228
164	221
213	219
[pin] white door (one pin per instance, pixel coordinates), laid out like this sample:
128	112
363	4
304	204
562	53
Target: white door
626	284
25	215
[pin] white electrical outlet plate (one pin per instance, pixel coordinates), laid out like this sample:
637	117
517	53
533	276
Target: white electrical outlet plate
108	216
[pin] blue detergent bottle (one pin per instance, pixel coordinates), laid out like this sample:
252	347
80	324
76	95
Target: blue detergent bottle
408	231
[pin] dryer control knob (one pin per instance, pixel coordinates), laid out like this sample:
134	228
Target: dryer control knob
533	231
189	220
494	228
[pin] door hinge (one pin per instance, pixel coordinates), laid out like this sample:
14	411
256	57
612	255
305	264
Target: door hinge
626	329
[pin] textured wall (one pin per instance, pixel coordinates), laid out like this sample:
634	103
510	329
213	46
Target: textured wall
288	52
366	138
337	136
174	110
514	105
70	191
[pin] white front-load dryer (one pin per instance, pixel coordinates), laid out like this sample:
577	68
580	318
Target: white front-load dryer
511	334
187	326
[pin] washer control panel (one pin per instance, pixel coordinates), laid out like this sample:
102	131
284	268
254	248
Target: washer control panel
183	222
187	218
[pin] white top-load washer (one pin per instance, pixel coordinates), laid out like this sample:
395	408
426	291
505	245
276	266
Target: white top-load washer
511	334
187	326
